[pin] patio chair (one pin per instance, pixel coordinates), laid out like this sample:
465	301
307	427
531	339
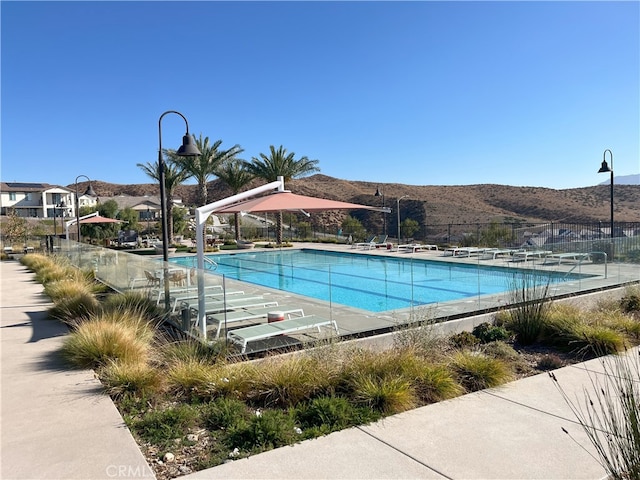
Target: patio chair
152	279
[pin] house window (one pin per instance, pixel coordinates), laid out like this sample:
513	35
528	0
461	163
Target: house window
27	197
12	196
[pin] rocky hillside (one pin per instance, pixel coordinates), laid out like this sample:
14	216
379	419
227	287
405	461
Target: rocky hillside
441	204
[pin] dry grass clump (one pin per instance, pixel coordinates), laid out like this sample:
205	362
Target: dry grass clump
131	378
124	335
286	381
476	371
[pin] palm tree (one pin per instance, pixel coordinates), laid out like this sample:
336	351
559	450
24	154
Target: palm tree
201	167
236	175
173	176
281	164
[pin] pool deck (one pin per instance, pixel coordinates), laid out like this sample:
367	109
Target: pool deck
450	316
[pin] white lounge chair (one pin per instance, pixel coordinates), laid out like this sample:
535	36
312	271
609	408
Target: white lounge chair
416	247
494	253
525	255
218	320
235	302
242	336
557	258
463	251
367	244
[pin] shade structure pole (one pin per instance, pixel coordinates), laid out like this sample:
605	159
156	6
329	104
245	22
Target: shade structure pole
202	214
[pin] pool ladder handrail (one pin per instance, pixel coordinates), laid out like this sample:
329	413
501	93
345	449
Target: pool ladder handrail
579	262
213	264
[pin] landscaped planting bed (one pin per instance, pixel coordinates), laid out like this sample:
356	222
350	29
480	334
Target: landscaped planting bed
192	406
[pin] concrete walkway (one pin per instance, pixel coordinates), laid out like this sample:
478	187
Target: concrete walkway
56	424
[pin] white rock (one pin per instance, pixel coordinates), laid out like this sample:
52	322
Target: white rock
192	437
169	457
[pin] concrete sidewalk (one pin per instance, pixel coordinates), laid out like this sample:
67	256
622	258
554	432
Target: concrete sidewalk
56	422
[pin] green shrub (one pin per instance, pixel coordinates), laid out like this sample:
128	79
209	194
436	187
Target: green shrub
265	430
328	414
161	427
485	332
463	339
225	413
476	371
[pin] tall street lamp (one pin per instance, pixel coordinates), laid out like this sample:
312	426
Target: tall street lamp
398	208
187	149
380	193
89	191
604	168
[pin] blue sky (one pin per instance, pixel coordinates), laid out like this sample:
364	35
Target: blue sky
420	93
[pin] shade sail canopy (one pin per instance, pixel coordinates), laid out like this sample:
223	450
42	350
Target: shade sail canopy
99	219
287	201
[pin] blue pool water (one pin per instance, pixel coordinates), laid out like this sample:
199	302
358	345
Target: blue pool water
369	282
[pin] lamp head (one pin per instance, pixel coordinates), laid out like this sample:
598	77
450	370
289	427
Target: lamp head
377	194
604	168
188	148
89	191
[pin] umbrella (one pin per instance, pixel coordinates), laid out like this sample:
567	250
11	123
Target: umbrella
288	201
99	219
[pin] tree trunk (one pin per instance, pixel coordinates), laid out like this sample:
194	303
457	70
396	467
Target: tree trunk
236	218
279	222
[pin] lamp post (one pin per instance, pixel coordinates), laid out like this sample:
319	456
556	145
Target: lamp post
398	208
148	222
187	149
61	205
380	193
89	192
604	168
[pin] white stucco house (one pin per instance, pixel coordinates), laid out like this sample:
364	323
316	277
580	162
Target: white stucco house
39	200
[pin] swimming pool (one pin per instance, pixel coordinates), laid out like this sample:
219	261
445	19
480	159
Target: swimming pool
370	282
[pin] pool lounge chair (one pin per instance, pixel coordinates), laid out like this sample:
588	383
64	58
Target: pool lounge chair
524	255
460	252
219	320
557	258
368	244
235	302
416	247
493	253
242	336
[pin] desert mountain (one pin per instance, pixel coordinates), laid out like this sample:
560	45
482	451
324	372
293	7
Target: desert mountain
432	204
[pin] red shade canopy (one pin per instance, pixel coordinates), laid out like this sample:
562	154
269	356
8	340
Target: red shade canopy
280	201
99	219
